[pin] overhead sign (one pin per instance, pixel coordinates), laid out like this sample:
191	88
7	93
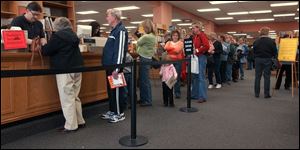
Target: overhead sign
288	49
14	39
188	46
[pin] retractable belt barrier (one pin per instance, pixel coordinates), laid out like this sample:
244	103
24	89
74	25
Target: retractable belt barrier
38	72
133	140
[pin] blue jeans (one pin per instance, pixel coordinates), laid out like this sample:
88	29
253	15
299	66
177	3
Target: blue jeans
202	79
177	84
229	72
242	70
250	65
195	86
145	85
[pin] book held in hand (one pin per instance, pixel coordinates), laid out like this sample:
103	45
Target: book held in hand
116	83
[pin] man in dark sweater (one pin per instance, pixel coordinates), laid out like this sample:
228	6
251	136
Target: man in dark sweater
264	49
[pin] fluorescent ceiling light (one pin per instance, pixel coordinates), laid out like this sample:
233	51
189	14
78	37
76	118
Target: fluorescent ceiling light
268	19
224	18
87	12
208	9
240	34
184	24
105	24
147	15
296	30
101	28
284	15
175	20
249	20
221	2
272	31
130	27
107	32
136	22
86	20
297	9
260	11
296	18
123	17
284	4
238	13
127	8
231	32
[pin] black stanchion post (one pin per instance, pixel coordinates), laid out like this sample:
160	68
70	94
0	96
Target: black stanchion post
133	140
189	76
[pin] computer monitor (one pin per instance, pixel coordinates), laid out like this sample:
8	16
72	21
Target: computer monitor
84	31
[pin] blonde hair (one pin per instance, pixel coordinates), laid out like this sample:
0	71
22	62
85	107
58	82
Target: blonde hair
213	36
115	12
198	24
264	31
148	26
61	23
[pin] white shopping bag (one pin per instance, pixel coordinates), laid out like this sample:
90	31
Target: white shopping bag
194	64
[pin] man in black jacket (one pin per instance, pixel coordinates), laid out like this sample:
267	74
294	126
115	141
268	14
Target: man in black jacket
64	52
264	49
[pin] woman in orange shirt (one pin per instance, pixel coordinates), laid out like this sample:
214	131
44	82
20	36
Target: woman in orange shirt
174	49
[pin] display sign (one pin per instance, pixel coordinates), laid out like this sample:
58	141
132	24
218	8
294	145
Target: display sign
188	46
288	49
14	39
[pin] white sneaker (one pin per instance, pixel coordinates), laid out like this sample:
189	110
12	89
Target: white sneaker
107	115
210	86
218	86
117	118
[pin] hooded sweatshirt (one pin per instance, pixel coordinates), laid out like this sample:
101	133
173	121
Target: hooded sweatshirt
63	49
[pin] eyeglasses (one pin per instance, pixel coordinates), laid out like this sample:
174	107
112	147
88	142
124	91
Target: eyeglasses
35	13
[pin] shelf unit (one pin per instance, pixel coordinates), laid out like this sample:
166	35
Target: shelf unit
8	9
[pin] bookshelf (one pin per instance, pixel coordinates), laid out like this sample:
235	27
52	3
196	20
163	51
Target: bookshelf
8	9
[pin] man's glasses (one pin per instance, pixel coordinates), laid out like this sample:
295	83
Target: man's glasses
35	13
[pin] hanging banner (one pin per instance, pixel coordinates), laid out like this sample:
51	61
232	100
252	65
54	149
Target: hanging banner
14	39
288	49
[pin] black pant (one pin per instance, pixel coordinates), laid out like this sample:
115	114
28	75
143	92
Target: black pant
223	71
263	66
167	94
288	76
115	96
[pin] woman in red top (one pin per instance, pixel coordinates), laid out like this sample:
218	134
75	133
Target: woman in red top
174	49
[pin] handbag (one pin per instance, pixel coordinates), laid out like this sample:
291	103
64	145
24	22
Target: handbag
194	64
36	47
275	64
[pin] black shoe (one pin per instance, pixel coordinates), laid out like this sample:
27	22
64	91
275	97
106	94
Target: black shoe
166	105
64	130
145	104
81	126
267	96
172	105
139	102
234	80
177	97
257	96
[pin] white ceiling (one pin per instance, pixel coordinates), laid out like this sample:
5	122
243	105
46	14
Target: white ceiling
189	6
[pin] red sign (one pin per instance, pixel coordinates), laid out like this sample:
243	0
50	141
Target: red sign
14	39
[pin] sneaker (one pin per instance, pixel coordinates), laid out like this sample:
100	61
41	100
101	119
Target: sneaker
117	118
218	86
210	86
107	115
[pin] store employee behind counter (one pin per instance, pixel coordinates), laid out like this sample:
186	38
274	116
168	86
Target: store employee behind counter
29	21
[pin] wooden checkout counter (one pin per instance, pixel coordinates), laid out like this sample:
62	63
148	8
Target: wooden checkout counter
26	97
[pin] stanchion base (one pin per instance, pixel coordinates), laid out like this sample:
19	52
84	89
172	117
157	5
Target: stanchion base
139	141
188	110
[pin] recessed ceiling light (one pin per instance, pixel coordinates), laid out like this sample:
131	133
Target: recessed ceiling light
284	4
86	20
221	2
249	20
87	12
238	13
224	18
268	19
184	24
147	15
127	8
260	11
208	9
284	15
175	20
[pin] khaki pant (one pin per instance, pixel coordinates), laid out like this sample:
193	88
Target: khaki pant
68	89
